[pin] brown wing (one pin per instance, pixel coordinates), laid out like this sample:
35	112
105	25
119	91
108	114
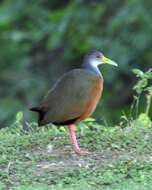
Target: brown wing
69	97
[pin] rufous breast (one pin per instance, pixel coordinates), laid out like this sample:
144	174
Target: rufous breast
95	96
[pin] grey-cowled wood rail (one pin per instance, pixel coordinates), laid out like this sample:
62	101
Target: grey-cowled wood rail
74	96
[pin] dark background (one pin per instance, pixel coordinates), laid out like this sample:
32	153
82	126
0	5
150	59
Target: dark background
42	39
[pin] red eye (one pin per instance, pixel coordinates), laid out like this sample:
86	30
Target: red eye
98	56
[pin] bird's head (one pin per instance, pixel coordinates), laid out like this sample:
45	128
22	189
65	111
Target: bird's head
97	58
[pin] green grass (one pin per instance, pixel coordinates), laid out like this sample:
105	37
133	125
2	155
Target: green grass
119	158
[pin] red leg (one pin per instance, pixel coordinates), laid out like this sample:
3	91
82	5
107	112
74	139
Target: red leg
73	139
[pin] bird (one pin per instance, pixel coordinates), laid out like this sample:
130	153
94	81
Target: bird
74	96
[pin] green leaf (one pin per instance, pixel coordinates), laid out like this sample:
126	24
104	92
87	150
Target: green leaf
19	117
138	72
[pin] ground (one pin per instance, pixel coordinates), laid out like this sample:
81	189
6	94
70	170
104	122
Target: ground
120	158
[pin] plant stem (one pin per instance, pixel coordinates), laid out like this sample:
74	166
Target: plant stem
137	106
149	99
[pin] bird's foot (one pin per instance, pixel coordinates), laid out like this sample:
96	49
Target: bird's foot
81	152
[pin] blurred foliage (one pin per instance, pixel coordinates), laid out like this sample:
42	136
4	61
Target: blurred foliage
40	40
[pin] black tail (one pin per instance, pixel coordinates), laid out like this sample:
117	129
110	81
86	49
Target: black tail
37	109
40	112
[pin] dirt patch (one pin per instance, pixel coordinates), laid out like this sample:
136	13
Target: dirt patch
60	159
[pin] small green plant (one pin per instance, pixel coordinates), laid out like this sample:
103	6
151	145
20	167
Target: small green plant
143	86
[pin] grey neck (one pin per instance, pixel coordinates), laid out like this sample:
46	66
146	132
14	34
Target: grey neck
88	65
